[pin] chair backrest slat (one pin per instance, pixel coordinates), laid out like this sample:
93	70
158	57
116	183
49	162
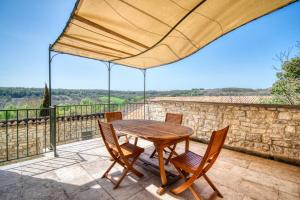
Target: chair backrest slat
112	116
173	118
214	148
108	134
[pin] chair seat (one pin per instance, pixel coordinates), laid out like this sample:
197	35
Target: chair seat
131	150
188	161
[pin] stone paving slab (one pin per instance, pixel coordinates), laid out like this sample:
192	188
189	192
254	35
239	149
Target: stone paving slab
76	174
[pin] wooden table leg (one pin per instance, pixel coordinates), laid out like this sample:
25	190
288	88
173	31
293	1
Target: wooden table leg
164	181
187	144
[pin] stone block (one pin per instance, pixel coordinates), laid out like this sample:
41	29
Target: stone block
282	143
290	129
276	149
296	116
284	116
254	137
258	131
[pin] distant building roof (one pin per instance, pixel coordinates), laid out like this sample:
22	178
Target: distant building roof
217	99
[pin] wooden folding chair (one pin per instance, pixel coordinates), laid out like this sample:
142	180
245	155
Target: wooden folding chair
171	118
192	166
125	154
113	116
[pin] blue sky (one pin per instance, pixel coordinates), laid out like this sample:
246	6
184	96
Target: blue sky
243	58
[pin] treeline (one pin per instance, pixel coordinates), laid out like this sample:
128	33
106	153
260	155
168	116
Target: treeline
19	95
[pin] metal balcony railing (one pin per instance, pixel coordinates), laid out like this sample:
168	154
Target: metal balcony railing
25	132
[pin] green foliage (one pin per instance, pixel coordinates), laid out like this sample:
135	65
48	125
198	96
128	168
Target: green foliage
287	87
46	102
87	101
113	100
137	99
273	100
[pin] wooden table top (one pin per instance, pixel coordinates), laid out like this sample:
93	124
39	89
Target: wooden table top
152	130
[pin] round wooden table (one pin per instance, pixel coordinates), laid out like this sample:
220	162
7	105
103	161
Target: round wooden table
160	133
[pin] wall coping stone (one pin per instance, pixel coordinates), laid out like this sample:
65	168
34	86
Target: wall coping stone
229	104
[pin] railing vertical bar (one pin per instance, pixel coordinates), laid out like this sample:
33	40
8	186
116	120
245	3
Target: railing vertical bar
45	132
58	124
136	111
91	119
64	123
100	111
81	120
27	141
6	133
95	117
142	111
36	130
130	108
71	119
86	118
76	119
54	130
127	111
17	134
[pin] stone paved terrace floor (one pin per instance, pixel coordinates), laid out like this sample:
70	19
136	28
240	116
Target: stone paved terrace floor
76	173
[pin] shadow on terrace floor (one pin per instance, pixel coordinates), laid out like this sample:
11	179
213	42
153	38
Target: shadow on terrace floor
76	173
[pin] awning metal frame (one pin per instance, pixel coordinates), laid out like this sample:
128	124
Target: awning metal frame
109	68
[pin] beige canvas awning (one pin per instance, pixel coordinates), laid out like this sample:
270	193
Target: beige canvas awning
149	33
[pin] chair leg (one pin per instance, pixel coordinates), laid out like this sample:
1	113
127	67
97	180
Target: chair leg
171	153
135	141
126	140
212	185
131	168
153	153
195	194
121	178
107	171
136	172
191	188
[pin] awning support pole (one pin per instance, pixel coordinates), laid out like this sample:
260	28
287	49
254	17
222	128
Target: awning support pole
109	70
49	66
50	72
144	74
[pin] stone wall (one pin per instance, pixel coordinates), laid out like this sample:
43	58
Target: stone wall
266	130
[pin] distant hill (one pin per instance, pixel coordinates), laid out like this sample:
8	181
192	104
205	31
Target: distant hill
33	96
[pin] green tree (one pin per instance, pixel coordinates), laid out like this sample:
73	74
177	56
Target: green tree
46	102
287	87
87	101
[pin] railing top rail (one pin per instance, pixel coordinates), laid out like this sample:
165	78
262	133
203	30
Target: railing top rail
23	109
71	105
99	104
